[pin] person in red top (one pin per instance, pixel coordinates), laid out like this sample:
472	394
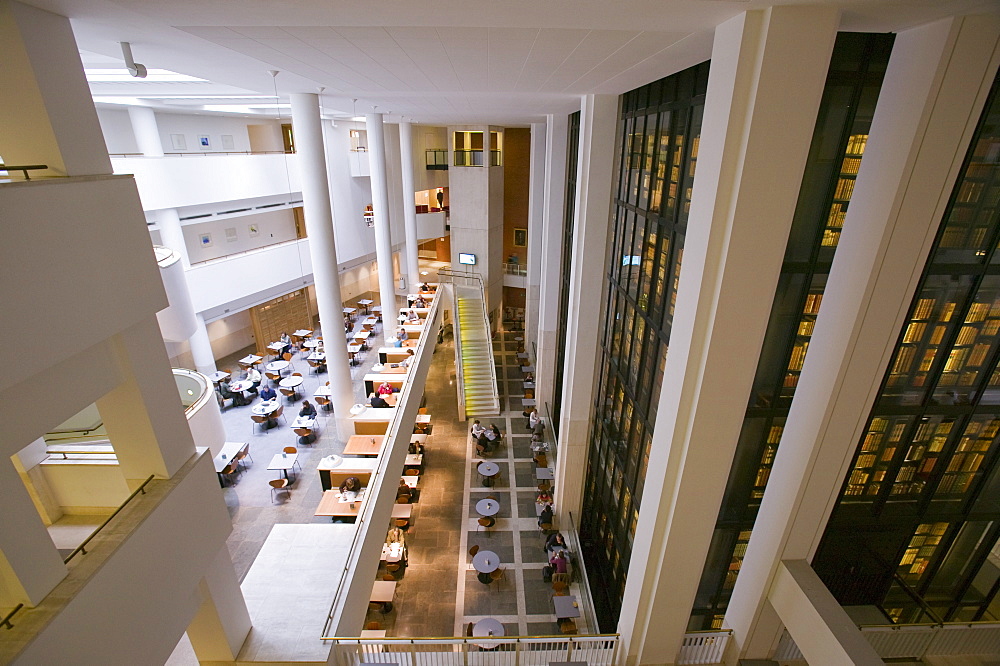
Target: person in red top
558	562
385	388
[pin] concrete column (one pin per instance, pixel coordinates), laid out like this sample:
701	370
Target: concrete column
937	81
30	565
223	621
768	72
143	414
380	204
172	234
322	249
177	322
48	115
536	207
147	134
550	256
409	206
598	120
201	347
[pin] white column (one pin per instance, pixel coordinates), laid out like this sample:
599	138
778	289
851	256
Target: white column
595	171
201	347
323	249
380	204
223	621
48	115
768	71
147	134
536	207
30	565
550	256
935	86
409	206
172	234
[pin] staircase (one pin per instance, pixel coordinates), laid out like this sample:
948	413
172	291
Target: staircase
478	382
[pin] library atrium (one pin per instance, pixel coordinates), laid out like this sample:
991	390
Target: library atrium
671	332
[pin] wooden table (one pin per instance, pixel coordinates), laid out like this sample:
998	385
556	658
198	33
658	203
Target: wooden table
383	591
282	462
411	342
364	445
544	474
393	552
566	607
414	460
402	511
332	505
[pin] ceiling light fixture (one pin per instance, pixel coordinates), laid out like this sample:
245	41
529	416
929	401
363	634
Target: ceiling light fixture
134	68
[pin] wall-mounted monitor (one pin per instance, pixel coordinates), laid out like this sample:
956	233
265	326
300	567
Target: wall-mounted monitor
467	259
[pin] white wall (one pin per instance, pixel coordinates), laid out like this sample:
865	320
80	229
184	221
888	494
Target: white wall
80	488
425	137
176	182
275	226
349	194
117	130
193	126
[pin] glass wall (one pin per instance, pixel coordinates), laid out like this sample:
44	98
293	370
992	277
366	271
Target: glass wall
659	131
919	511
566	259
855	77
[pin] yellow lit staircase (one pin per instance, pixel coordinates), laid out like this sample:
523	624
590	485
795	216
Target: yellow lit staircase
475	348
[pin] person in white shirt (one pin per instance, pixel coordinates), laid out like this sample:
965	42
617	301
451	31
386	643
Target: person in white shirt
405	363
412	316
477	429
253	375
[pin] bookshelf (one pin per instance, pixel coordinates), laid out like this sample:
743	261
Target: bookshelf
800	346
849	166
766	461
970	453
882	439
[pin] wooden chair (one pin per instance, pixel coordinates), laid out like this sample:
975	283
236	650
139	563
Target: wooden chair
567	626
291	394
545	528
243	454
391	569
402	523
232	468
473	550
314	365
560	578
279	413
325	404
373	626
291	450
287	356
260	420
469	627
275	377
499	575
541	460
279	484
486	522
559	587
544	486
304	435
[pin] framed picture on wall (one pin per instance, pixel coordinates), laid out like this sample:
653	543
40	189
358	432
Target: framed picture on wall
254	230
204	142
205	240
227	142
520	238
231	236
178	142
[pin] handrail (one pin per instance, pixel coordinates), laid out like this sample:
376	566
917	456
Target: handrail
392	432
24	168
207	153
515	269
907	625
82	547
584	579
916	597
6	621
560	638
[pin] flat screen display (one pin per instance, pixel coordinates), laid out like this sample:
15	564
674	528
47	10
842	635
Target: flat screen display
467	259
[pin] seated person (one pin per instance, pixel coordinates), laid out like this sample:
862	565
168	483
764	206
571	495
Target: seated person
385	388
253	375
267	393
544	497
545	517
533	419
559	562
378	401
401	334
483	445
493	433
555	542
537	444
415	448
351	486
424	287
404	490
307	409
227	393
420	302
530	378
395	535
405	363
477	429
287	341
412	317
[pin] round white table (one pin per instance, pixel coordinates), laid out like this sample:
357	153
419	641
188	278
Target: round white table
310	344
487	507
486	561
241	386
487	468
291	382
488	626
277	366
264	408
